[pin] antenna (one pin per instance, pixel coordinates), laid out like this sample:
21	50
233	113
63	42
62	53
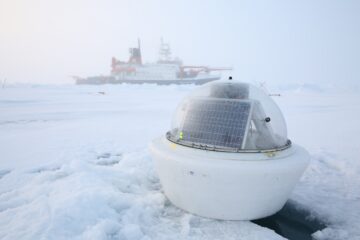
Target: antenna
262	85
4	82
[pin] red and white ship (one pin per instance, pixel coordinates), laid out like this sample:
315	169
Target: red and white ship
165	71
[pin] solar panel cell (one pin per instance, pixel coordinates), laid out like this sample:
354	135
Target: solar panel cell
216	122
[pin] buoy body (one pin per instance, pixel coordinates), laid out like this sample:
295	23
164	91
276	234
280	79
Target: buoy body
227	154
224	185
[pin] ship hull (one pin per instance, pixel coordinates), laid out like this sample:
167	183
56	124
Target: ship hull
112	80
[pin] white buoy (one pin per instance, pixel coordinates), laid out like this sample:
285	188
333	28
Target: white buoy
227	155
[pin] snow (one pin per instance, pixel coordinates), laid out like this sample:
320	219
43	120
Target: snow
74	164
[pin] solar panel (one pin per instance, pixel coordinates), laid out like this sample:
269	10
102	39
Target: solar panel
216	122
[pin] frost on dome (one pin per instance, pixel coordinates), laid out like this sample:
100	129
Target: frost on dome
229	116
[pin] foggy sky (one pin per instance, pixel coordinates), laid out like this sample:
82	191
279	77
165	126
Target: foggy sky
313	41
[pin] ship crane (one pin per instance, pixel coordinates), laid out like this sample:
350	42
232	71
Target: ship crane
206	68
187	70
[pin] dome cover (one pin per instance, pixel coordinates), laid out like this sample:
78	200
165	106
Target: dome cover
229	116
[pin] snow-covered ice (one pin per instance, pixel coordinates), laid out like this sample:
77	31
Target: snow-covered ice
74	164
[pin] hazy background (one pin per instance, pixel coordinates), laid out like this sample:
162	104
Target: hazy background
312	41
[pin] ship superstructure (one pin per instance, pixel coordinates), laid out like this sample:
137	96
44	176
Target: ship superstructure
165	71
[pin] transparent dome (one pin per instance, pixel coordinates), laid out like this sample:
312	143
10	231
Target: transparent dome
229	116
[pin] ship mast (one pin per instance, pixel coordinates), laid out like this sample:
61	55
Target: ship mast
135	54
164	52
139	47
